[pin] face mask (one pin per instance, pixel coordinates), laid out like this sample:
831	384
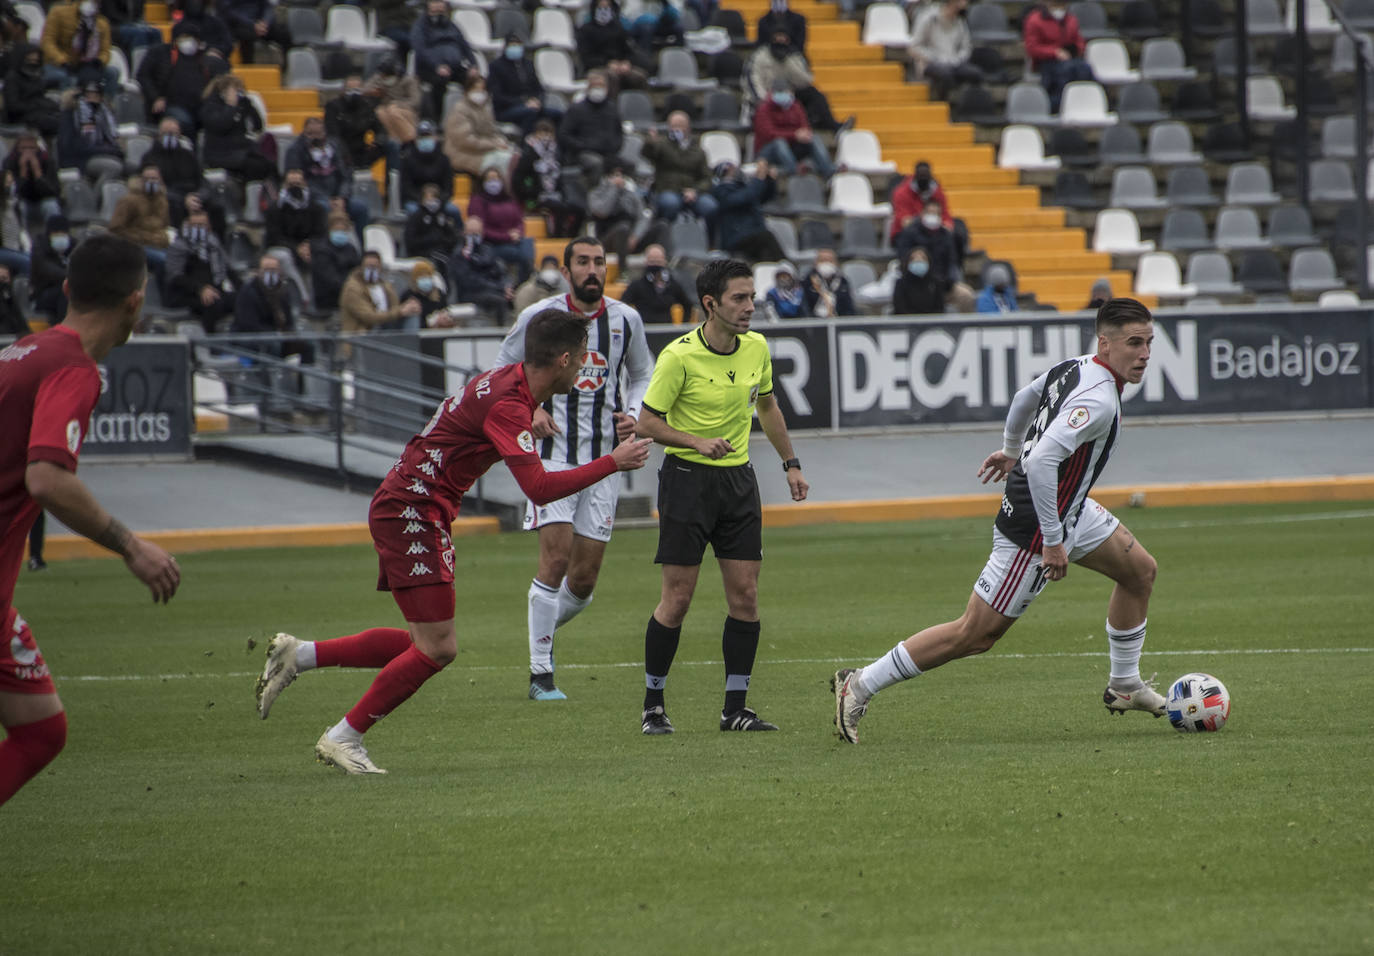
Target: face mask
657	274
492	186
338	237
270	279
921	183
918	268
931	221
188	47
60	243
778	6
425	144
596	94
195	234
549	277
372	276
1058	14
478	97
784	283
170	142
679	136
353	92
604	15
780	50
437	21
296	192
516	52
425	284
826	269
432	205
152	187
783	100
87	9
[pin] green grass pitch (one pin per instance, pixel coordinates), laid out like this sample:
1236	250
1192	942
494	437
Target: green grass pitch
993	807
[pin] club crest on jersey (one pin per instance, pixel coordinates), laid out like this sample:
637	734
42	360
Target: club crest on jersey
526	442
73	435
1078	417
447	555
594	373
753	396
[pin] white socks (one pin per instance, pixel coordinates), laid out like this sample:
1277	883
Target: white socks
543	620
305	656
343	732
892	668
569	604
1124	647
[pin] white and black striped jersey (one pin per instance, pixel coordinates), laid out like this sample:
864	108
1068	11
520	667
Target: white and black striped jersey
1069	418
614	378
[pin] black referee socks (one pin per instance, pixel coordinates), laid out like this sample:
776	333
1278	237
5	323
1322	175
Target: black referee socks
660	647
739	643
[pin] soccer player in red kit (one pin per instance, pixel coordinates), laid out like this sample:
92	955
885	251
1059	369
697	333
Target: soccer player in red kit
49	385
410	518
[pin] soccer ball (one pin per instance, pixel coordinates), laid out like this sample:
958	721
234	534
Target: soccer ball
1198	703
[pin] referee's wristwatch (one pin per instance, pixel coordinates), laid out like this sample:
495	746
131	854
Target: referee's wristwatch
791	463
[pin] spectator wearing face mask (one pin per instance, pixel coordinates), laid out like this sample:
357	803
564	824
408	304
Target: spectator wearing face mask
477	276
293	221
433	226
425	292
1099	294
26	102
198	274
328	174
539	182
332	259
999	292
1055	48
253	22
12	321
911	195
143	216
263	306
604	44
786	300
784	138
174	77
618	212
740	222
87	138
941	46
825	289
232	124
780	59
779	19
369	303
423	162
397	94
351	120
175	157
657	295
32	173
682	175
472	140
442	52
503	222
517	96
917	291
76	45
542	284
591	134
49	269
929	232
212	32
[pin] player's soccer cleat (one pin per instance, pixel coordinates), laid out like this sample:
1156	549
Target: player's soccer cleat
654	721
1144	697
37	564
349	756
539	692
278	673
744	719
848	710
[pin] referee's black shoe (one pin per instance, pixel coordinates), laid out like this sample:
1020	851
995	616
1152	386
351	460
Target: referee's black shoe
654	721
745	719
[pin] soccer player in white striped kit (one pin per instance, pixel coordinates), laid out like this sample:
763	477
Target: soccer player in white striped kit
573	429
1059	433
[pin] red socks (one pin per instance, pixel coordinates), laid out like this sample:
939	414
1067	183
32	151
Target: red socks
392	687
375	647
28	749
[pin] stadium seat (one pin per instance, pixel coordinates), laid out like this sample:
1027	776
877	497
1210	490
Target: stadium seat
1225	143
1264	100
1194	103
1117	231
1157	273
851	194
1171	143
1072	148
976	105
806	196
859	150
1360	13
765	275
987	22
111	191
1249	184
121	66
1162	59
128	108
863	239
552	27
732	22
1139	20
1210	274
1111	64
1338	137
477	30
1208	19
722	112
554	68
1238	228
687	239
1133	187
1224	58
1338	299
989	60
1092	19
1290	226
1028	103
1023	147
508	20
1331	181
885	24
1139	103
252	203
1120	146
1264	19
1184	230
1189	186
677	69
34	15
1085	104
346	25
636	108
1321	96
135	148
302	69
1319	19
1072	189
812	234
786	233
305	25
1260	272
1312	270
720	148
859	273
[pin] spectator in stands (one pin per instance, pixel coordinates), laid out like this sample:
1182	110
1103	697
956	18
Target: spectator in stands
542	284
941	47
198	273
425	292
294	221
780	59
1055	48
779	19
423	163
604	44
740	220
503	222
328	174
477	276
999	293
49	269
942	252
143	215
263	306
442	53
232	123
397	95
331	260
395	18
618	212
1101	292
682	175
591	135
253	22
175	157
369	303
653	24
784	138
352	120
917	291
539	183
198	19
472	139
786	299
31	173
87	139
12	321
517	96
657	295
174	76
26	102
433	226
76	45
826	290
912	194
128	24
11	236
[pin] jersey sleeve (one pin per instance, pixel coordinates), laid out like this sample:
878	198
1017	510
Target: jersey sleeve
639	363
507	427
61	410
1019	415
766	373
513	345
667	381
1084	417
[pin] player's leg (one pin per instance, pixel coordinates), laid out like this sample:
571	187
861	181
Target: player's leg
35	733
555	549
288	657
739	642
592	522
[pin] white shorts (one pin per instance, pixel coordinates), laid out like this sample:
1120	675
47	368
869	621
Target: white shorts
590	511
1012	577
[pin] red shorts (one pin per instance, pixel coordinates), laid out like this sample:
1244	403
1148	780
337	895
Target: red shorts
414	558
22	668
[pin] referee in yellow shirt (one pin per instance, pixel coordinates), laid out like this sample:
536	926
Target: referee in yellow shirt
700	404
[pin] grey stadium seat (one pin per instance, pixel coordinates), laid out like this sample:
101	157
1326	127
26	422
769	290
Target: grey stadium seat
1249	184
1120	146
1313	270
1290	226
1260	272
1171	143
1338	137
1029	103
1332	181
1139	103
1264	18
1210	273
862	239
1184	230
1190	186
636	109
1162	59
1133	187
1092	19
1238	227
988	24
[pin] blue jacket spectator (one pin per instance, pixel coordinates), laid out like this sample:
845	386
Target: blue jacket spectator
785	299
739	222
999	293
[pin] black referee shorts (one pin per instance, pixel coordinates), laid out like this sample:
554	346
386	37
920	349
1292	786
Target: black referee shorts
707	503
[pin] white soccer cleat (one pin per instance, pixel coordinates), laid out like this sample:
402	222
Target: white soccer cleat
349	756
848	710
278	673
1144	697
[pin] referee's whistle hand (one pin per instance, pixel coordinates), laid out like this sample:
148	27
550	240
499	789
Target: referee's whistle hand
714	448
630	455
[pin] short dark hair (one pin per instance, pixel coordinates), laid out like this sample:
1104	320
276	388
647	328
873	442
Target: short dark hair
579	241
551	333
713	279
104	270
1116	312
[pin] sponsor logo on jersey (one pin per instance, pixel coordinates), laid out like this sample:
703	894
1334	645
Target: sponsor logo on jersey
410	514
22	653
594	373
417	548
73	436
1078	417
753	396
526	442
420	569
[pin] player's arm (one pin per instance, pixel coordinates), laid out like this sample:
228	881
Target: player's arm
513	345
653	425
507	427
775	427
639	365
66	496
999	464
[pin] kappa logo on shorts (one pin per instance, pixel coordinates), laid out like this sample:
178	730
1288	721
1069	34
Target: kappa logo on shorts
420	569
414	527
410	514
435	455
526	442
417	548
418	487
428	469
1078	417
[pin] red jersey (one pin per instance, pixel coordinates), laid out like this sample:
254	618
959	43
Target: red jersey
488	422
48	389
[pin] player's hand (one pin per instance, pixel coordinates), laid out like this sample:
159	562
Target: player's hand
542	424
624	425
1055	560
995	467
630	455
154	567
714	448
797	484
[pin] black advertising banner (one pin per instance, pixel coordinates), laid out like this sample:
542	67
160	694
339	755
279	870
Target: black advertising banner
145	408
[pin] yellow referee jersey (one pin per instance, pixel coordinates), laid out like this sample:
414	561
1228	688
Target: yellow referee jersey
710	394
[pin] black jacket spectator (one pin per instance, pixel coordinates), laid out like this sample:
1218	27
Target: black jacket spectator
511	83
167	74
48	268
591	128
917	295
242	17
430	302
75	147
837	286
205	26
349	119
292	220
327	170
600	43
329	268
939	246
431	233
477	276
260	308
419	167
440	42
228	135
655	293
195	261
25	102
33	183
176	160
784	21
740	221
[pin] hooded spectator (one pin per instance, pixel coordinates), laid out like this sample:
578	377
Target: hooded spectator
786	299
999	292
26	100
740	222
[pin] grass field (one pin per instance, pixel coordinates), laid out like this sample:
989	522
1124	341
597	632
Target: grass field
993	807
